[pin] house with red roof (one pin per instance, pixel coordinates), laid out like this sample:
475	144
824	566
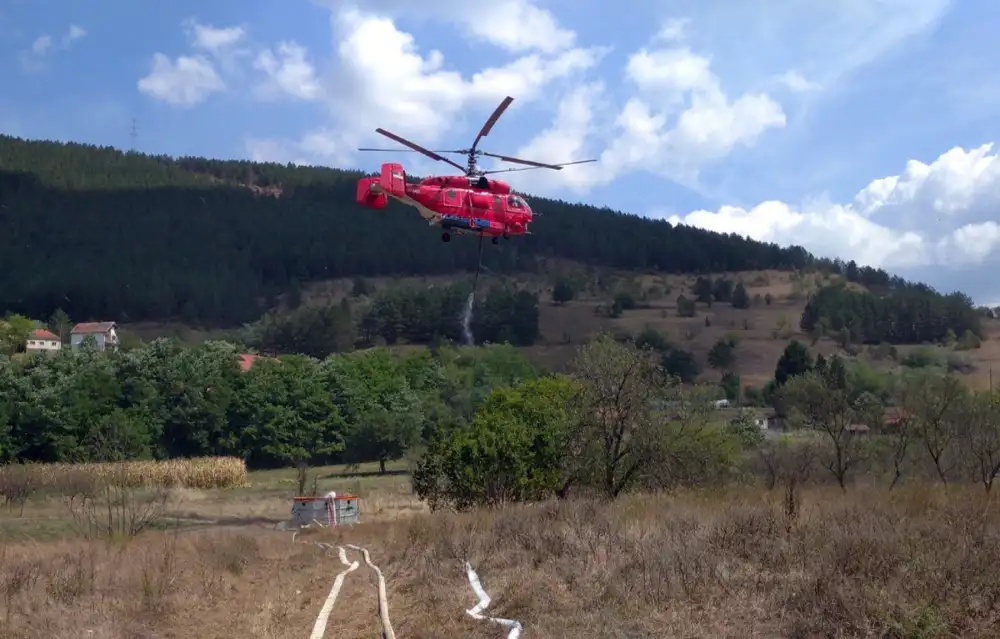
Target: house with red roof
105	334
42	341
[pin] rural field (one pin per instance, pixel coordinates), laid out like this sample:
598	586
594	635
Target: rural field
633	428
742	562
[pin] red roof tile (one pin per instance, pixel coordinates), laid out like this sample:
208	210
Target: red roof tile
41	333
246	361
86	328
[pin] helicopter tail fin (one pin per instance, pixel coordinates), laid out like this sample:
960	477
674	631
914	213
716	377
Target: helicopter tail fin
370	194
393	180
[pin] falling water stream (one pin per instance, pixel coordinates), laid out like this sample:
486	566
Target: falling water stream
467	319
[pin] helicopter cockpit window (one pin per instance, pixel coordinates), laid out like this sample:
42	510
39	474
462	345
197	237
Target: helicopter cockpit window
514	202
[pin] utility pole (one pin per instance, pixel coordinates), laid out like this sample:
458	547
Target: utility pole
133	134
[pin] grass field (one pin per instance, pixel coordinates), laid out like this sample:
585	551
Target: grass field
917	562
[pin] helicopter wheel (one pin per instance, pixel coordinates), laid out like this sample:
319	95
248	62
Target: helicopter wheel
446	237
496	240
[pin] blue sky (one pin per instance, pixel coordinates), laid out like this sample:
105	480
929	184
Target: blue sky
857	128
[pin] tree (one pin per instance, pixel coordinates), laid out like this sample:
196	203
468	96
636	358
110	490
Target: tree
722	290
831	412
563	291
383	414
188	392
795	360
730	384
653	339
744	427
285	415
905	314
787	460
703	290
621	385
981	437
14	332
721	355
740	297
901	436
680	364
516	448
936	402
316	331
835	373
60	324
685	307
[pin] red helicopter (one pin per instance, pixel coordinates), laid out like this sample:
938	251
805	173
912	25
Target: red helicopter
466	204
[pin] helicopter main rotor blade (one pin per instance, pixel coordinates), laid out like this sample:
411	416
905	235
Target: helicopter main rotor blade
420	149
520	168
408	151
491	121
507	158
542	166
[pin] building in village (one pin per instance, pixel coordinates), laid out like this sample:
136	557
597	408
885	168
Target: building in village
105	334
41	340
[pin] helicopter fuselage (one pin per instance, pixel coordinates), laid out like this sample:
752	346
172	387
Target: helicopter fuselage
460	204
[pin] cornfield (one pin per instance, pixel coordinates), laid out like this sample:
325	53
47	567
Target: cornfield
197	472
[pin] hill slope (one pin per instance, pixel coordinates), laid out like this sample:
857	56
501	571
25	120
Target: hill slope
124	236
153	240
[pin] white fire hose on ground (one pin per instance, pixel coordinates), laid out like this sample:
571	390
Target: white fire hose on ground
476	612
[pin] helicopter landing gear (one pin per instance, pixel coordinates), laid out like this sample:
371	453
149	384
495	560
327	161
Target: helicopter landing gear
446	237
496	240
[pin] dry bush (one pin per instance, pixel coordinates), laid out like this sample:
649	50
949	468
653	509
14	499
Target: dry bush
915	562
110	505
18	482
197	472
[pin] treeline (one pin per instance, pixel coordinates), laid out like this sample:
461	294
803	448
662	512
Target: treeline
911	314
127	237
618	422
426	316
165	400
430	315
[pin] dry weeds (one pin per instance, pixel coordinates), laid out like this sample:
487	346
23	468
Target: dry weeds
920	562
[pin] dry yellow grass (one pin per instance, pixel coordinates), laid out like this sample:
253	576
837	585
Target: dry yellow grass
197	472
917	562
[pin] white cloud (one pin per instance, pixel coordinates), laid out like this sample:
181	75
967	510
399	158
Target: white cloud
381	78
184	82
189	79
673	30
41	44
75	33
678	120
33	58
794	81
289	71
518	26
937	214
211	39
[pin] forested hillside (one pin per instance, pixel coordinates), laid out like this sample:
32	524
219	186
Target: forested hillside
124	236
